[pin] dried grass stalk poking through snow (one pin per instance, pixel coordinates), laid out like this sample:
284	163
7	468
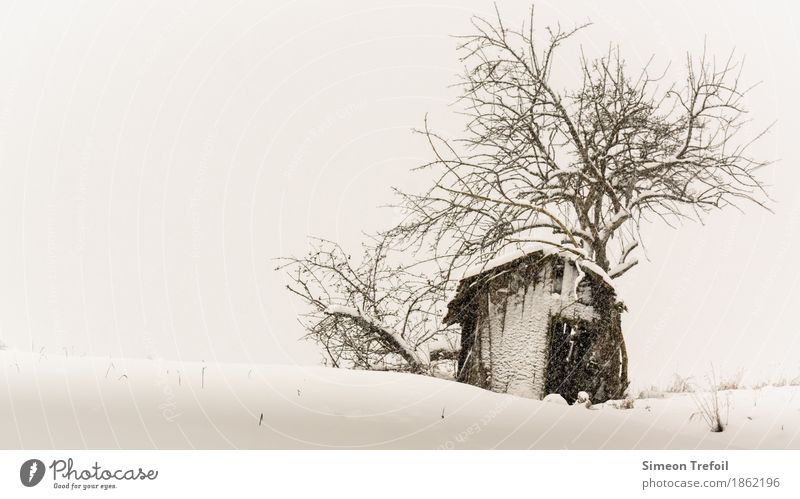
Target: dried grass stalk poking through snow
710	407
577	169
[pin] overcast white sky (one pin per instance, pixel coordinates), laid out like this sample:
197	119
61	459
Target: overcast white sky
155	157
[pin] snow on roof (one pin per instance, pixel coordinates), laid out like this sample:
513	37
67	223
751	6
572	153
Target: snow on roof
545	249
596	269
509	257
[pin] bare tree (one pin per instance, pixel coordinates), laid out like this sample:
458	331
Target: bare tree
577	169
369	315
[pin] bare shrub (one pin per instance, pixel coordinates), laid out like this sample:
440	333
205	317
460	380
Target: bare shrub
780	381
731	383
784	380
680	384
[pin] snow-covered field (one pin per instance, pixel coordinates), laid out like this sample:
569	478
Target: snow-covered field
51	401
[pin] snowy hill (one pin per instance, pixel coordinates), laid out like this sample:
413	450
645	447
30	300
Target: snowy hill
51	401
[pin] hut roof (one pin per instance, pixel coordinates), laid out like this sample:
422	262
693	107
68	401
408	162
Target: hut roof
475	277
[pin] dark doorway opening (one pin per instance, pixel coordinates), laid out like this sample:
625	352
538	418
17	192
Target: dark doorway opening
567	360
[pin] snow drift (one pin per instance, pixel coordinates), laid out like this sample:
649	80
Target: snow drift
83	402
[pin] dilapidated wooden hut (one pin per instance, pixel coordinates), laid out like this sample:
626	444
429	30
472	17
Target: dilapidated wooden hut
540	321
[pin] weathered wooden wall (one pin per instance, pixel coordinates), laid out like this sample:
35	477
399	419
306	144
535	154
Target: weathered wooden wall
506	330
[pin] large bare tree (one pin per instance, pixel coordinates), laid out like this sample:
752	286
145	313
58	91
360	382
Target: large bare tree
578	168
